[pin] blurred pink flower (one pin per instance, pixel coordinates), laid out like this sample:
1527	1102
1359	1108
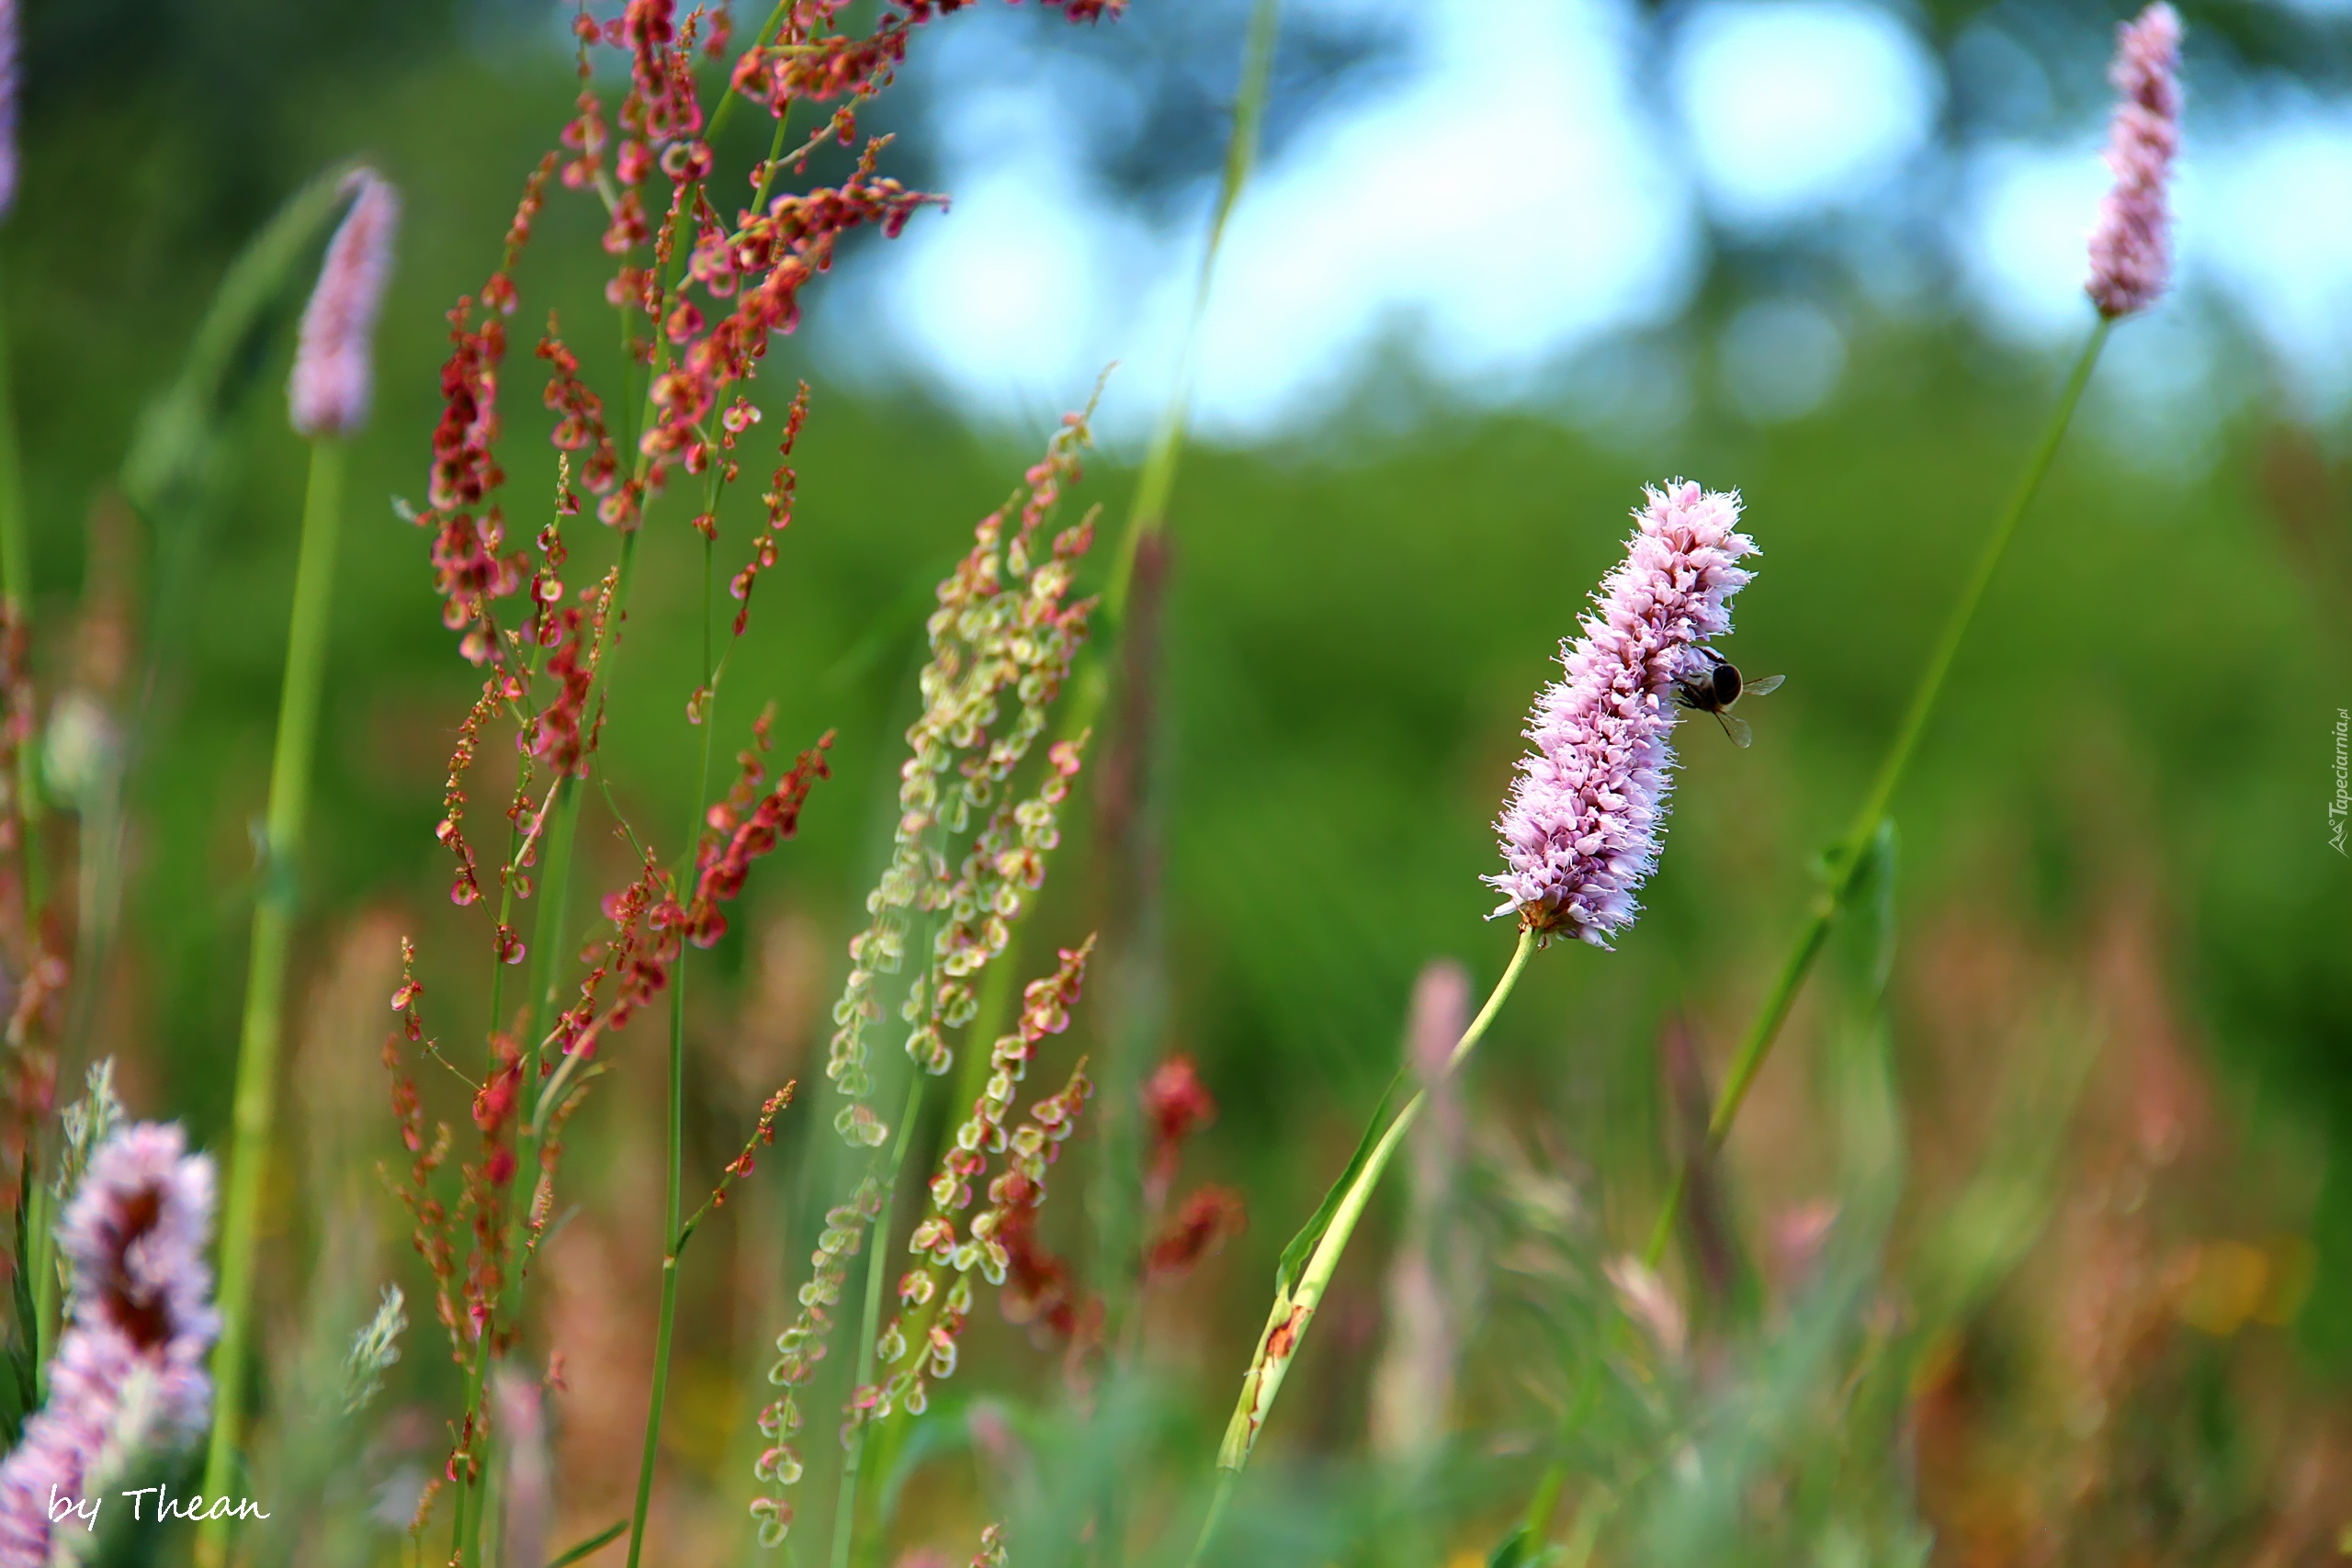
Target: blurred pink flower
334	362
8	48
1433	1273
1647	1299
128	1376
2131	250
1580	830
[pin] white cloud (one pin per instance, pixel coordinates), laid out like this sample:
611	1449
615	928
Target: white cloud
1500	205
2269	217
1794	106
2020	230
1506	197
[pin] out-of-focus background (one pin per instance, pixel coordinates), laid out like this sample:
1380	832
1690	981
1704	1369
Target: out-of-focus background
1501	264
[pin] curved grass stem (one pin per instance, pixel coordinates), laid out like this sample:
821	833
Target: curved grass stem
1313	1255
15	600
674	1231
259	1039
671	1243
877	1275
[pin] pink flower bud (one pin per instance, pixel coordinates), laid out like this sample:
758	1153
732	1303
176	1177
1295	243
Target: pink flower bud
334	362
2131	250
8	107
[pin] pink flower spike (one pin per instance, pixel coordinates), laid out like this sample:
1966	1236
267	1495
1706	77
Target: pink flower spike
334	363
1580	830
128	1379
2131	250
9	50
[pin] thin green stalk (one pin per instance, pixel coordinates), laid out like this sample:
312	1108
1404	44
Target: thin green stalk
1148	512
669	1318
472	1501
258	1051
41	1260
1848	860
548	934
1327	1234
878	1270
674	1232
1135	1030
465	1524
1851	854
15	596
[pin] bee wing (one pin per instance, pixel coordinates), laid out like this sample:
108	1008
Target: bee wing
1737	727
1761	685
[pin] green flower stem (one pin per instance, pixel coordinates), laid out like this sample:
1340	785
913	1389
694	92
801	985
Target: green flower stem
669	1318
674	1232
258	1051
15	603
15	596
1846	863
1295	1302
869	1325
472	1502
1148	512
465	1526
41	1250
1134	1029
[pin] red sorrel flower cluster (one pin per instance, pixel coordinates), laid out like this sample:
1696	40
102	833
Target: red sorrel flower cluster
1177	1105
745	826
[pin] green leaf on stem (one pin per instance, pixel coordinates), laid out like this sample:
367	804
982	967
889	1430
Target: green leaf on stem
21	1386
1302	1246
1879	876
179	438
601	1540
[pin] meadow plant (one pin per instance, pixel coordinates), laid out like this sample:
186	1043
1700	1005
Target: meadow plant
1004	634
2130	249
327	398
1579	834
86	1124
1581	830
700	295
2130	268
375	1349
